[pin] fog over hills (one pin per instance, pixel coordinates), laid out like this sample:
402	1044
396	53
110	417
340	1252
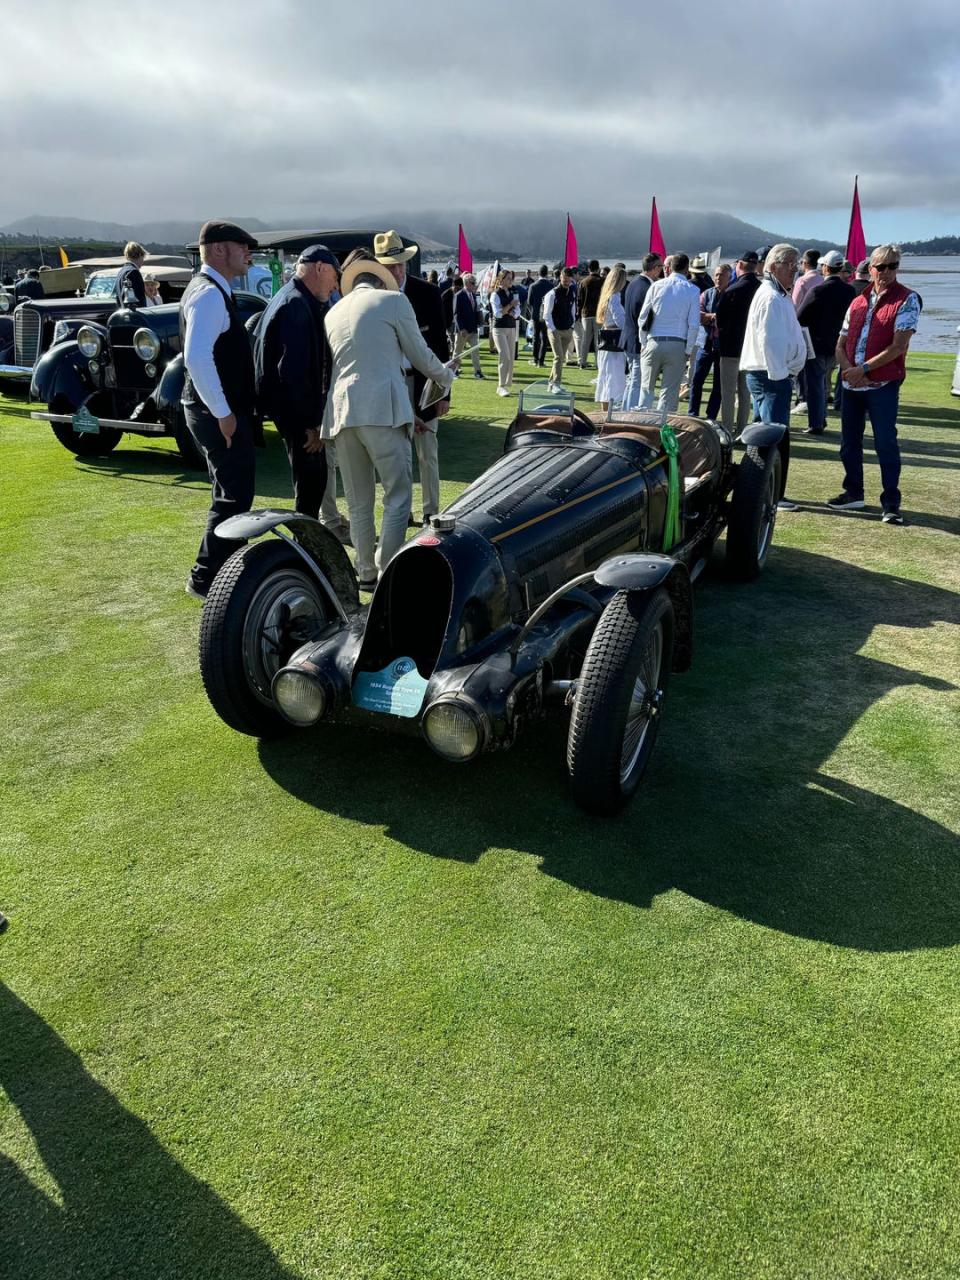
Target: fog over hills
527	233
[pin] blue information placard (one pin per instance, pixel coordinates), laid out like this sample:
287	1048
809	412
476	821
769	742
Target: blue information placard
397	690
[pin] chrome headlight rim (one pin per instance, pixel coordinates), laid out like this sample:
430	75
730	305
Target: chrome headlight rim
5	302
459	702
146	344
89	342
307	677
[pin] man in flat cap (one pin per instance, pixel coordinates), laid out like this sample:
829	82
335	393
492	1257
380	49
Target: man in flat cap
292	362
427	304
219	392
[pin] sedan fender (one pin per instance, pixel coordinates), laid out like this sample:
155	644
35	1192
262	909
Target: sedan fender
62	378
644	572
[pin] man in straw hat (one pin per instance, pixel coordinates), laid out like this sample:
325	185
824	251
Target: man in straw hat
373	333
427	303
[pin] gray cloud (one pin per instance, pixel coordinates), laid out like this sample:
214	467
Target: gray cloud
133	110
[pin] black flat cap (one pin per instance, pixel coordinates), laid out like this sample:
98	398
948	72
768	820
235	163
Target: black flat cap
320	253
218	232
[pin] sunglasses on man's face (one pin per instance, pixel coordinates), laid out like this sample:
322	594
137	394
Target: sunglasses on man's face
887	266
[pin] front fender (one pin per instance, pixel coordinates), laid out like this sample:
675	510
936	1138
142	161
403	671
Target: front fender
317	546
645	571
61	375
170	389
760	434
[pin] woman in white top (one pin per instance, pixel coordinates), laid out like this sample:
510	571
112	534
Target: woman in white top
611	362
151	287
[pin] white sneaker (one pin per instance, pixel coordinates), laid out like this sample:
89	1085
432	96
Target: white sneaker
799	408
785	504
502	391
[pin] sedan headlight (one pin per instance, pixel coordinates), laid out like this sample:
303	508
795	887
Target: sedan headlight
454	730
146	344
299	696
89	341
4	302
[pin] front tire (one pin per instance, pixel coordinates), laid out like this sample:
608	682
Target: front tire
83	444
753	513
263	605
618	705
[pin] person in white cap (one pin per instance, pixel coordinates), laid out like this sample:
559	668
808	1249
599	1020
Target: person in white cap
373	332
822	312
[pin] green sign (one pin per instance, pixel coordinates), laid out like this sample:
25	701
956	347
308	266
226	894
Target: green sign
397	690
276	270
85	422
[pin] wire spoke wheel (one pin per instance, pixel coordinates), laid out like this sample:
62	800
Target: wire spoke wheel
287	610
644	704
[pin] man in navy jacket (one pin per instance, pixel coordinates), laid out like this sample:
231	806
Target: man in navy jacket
466	322
633	302
538	291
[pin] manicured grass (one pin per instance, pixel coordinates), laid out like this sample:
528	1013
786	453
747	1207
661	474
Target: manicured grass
329	1008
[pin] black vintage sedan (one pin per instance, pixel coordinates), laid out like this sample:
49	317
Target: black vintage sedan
559	582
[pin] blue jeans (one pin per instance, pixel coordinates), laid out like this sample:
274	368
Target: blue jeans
631	392
706	360
880	406
771	403
771	399
817	371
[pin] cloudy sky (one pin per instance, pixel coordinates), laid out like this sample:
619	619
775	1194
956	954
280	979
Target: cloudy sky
296	110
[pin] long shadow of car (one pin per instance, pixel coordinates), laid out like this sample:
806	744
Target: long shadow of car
740	809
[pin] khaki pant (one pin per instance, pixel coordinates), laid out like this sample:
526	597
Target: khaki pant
588	339
329	511
366	454
505	341
561	340
666	360
428	460
733	392
465	340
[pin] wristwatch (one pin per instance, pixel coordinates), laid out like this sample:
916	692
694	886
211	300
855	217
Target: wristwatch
866	371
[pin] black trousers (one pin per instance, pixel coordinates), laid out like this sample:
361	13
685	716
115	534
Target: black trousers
232	476
308	470
541	343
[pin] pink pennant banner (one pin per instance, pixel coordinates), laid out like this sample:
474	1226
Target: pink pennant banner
856	244
570	255
464	256
656	238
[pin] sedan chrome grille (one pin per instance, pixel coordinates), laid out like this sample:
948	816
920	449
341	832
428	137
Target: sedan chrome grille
26	336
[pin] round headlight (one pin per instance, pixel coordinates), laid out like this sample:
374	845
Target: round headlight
146	344
453	730
88	340
94	366
299	697
150	370
4	302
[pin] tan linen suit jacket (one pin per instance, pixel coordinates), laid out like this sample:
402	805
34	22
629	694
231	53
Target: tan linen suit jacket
370	331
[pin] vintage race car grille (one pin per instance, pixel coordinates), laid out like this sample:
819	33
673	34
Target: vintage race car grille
26	336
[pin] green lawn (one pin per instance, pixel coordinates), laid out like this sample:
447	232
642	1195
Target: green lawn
329	1008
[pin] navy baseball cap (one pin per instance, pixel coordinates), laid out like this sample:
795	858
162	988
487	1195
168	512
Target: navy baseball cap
320	253
750	256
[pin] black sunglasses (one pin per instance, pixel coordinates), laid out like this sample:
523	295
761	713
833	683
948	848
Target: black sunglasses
887	266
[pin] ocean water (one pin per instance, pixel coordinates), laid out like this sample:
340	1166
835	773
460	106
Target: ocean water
936	279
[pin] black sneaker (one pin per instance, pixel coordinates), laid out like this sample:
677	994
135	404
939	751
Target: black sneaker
814	431
192	589
478	374
845	502
413	522
787	504
892	516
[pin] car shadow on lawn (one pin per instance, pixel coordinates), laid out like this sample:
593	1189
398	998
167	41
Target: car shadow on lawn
738	808
127	1207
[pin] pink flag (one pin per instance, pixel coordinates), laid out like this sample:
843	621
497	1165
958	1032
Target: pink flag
464	256
656	239
856	244
570	255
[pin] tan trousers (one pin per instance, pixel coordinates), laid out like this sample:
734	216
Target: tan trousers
588	338
505	341
561	340
428	461
465	340
367	454
733	391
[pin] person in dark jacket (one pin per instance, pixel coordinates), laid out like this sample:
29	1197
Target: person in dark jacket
588	297
538	291
731	321
633	301
709	356
129	277
822	312
292	362
29	286
466	322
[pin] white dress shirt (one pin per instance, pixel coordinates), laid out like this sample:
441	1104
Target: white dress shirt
205	317
675	303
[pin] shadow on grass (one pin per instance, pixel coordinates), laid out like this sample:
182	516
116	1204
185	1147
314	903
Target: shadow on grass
922	519
736	809
129	1209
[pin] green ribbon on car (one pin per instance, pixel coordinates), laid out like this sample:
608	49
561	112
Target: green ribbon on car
671	525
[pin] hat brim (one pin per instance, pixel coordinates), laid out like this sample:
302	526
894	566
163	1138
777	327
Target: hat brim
366	267
402	255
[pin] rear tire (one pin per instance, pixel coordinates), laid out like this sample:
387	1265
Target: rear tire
753	513
618	705
263	605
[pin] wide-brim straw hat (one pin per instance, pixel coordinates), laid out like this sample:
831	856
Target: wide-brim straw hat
388	248
366	267
698	264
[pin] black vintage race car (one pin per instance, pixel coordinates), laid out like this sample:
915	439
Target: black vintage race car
559	581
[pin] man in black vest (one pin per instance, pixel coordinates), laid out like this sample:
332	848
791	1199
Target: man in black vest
559	314
219	394
292	363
